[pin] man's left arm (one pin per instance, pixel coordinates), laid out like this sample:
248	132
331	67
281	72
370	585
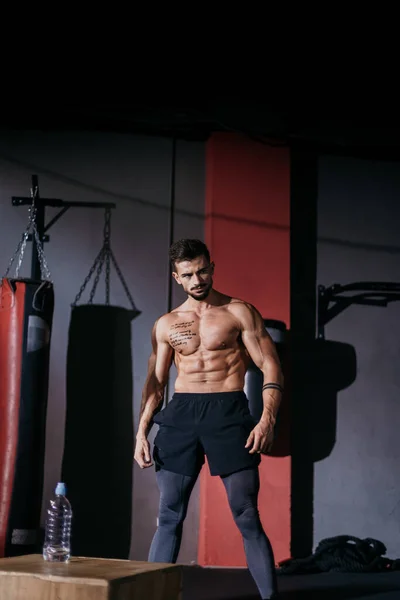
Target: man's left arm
262	351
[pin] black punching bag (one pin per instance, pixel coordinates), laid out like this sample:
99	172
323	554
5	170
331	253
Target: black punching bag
98	449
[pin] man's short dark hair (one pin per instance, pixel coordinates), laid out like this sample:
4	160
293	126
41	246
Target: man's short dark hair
187	249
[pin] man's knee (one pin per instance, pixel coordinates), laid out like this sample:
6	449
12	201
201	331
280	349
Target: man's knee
247	520
174	497
172	511
169	517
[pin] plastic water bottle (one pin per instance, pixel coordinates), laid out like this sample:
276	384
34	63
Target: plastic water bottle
56	547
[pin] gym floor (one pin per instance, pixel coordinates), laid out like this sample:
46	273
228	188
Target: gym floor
236	584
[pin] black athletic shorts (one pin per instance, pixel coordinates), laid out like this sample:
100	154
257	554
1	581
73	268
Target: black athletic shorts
215	425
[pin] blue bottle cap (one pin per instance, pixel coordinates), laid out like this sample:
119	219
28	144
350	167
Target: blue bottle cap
61	489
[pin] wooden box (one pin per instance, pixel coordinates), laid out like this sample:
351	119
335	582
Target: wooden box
31	578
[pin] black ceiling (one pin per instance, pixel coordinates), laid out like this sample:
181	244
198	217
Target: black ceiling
348	126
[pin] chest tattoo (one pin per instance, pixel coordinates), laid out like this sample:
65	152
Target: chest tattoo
181	333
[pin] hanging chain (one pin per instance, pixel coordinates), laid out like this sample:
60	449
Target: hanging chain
44	269
32	215
105	255
123	282
107	249
20	251
22	243
96	279
88	277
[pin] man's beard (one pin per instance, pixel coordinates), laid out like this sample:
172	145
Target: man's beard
201	296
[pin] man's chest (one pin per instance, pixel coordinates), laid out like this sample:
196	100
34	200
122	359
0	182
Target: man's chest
210	332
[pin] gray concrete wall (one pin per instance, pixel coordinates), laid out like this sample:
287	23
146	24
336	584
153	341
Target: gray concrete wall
135	173
357	488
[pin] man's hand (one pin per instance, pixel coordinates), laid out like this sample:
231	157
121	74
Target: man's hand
142	452
261	437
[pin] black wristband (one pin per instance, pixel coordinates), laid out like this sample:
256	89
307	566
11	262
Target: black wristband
272	386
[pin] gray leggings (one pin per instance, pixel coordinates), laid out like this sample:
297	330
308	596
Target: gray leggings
242	491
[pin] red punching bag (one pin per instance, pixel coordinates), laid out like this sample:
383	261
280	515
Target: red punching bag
26	313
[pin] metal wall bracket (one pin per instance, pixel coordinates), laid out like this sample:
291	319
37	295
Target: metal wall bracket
41	204
335	299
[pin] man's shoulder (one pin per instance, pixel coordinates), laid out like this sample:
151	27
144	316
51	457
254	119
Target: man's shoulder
163	320
160	327
170	317
241	306
243	311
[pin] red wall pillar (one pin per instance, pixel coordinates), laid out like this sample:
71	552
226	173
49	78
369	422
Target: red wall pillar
248	233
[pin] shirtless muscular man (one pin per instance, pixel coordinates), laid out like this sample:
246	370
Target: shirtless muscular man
211	338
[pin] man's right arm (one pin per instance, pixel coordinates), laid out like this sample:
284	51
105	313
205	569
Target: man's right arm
159	365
